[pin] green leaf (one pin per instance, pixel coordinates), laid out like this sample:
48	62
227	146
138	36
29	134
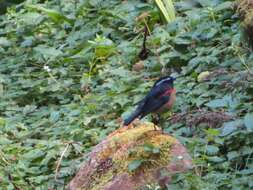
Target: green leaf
218	103
32	18
212	132
216	159
53	14
5	42
246	171
212	150
150	148
248	121
167	9
2	122
156	150
226	101
54	116
133	165
47	52
223	6
230	127
232	155
34	154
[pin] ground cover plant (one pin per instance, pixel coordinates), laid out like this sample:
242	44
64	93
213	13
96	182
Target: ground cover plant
70	70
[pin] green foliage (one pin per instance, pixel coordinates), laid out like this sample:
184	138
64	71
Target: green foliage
66	78
167	9
135	164
248	121
149	148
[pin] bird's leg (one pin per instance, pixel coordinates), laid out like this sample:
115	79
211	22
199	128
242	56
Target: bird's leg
162	131
155	120
156	128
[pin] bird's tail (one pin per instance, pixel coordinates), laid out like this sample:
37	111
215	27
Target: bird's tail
132	117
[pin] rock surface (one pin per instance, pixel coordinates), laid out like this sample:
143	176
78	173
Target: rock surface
245	11
130	158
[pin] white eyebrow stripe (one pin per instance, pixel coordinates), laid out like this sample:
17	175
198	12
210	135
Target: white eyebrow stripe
162	81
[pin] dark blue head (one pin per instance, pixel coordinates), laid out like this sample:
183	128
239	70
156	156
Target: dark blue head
167	79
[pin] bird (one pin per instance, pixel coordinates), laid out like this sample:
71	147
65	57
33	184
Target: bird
160	98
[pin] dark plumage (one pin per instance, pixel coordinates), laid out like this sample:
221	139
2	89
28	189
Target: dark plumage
160	97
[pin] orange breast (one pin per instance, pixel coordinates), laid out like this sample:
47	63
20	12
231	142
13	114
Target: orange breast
171	101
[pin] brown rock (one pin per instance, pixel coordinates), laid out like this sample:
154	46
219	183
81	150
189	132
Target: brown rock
139	66
245	10
107	164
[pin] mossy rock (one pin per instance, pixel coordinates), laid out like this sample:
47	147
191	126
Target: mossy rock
131	157
244	9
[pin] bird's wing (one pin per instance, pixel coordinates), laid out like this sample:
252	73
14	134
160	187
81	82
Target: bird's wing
157	91
152	105
154	93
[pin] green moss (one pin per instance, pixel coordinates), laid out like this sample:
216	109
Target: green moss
128	145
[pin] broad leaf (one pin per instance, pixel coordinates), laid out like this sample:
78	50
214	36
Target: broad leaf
135	164
248	121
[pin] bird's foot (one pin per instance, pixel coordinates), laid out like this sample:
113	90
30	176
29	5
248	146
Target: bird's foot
162	130
156	128
155	119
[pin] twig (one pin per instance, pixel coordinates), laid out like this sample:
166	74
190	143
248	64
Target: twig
3	158
60	160
144	51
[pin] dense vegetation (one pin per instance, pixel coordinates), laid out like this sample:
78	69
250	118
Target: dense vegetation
69	70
